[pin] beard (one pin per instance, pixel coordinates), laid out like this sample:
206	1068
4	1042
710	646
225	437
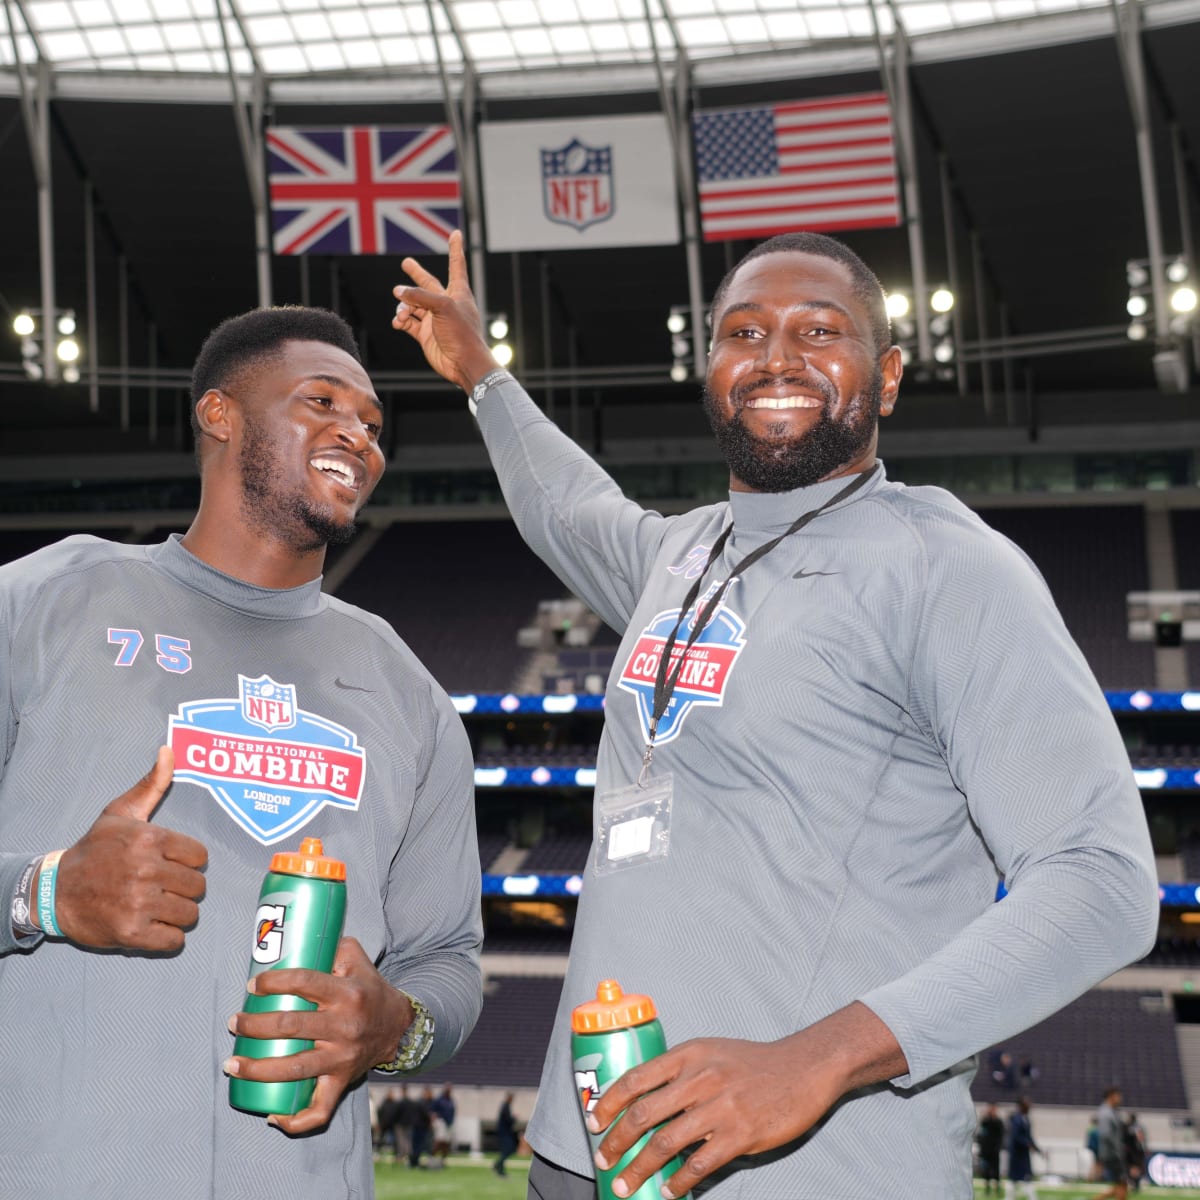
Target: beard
296	520
782	464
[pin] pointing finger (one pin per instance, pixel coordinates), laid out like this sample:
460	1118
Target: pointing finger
456	279
420	276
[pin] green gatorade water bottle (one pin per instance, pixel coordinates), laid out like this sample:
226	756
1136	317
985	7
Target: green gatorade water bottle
609	1035
301	909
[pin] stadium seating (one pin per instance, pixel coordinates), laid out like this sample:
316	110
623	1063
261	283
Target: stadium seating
508	1045
1090	558
1185	528
456	592
1107	1037
559	852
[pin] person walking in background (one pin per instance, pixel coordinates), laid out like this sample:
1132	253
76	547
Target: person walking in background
1021	1148
990	1139
506	1135
1135	1151
841	707
422	1126
385	1123
1110	1130
443	1110
405	1125
1091	1139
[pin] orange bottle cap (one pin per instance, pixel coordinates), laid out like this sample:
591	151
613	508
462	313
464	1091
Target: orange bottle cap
308	860
612	1009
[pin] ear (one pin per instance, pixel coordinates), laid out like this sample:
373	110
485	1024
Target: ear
214	415
891	367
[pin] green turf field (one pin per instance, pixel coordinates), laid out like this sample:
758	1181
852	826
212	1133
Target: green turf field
461	1180
464	1180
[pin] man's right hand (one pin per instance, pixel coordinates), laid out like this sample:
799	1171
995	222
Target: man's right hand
444	321
128	884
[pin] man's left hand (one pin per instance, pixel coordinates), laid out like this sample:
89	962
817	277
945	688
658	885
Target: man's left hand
730	1097
358	1022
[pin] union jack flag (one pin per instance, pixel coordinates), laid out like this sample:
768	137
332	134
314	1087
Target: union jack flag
363	189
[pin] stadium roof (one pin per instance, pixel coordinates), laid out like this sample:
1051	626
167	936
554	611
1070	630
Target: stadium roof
1026	153
299	38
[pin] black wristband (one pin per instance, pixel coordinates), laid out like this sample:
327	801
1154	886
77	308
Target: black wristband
21	898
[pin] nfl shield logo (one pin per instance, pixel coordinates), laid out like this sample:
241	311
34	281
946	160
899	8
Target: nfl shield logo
268	704
577	184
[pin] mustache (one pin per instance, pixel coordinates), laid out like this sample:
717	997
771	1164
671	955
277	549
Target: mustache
821	387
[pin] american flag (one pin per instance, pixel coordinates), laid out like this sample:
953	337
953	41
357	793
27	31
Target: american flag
363	189
815	164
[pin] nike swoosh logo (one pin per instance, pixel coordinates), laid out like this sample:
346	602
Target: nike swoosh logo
809	574
350	687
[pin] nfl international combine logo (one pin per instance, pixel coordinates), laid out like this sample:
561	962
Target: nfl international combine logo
270	765
702	678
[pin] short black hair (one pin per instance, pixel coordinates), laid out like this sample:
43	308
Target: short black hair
867	288
251	340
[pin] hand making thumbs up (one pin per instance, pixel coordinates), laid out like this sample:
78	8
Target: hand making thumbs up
128	884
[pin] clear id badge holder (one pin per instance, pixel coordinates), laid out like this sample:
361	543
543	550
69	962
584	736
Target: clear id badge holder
633	825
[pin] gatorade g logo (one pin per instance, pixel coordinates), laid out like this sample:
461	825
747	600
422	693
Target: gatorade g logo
588	1087
268	933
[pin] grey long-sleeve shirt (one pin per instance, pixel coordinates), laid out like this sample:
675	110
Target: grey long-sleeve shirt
886	714
292	715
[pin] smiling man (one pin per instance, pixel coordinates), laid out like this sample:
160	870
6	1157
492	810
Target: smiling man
817	759
286	714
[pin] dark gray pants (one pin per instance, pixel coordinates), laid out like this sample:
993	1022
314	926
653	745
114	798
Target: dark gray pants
550	1182
547	1181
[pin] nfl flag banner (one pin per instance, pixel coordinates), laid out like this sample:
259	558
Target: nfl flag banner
816	165
363	189
563	185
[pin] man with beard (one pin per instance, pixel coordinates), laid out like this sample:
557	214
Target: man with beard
285	714
840	707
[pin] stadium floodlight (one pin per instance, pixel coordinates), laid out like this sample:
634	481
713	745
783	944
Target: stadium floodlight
498	329
1137	274
1183	300
1177	270
942	300
67	350
503	353
897	305
678	321
1136	305
70	373
943	352
66	323
23	324
1136	332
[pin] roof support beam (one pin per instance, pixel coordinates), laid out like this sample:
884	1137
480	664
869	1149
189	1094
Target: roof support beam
675	109
463	124
1129	49
893	67
35	109
249	130
1179	163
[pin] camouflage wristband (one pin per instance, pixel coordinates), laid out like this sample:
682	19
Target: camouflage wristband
416	1042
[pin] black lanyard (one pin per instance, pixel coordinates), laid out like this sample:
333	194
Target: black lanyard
664	686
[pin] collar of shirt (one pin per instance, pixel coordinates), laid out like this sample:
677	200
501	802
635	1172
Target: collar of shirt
763	512
278	604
